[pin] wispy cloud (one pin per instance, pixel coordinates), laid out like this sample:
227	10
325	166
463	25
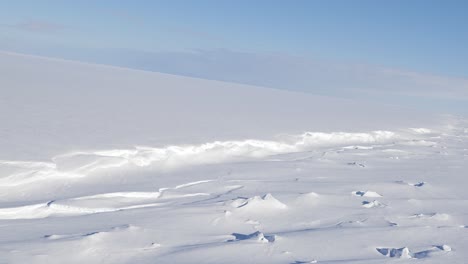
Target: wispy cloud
124	15
40	26
182	29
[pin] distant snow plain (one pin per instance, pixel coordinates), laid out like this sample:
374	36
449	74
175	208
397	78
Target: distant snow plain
101	164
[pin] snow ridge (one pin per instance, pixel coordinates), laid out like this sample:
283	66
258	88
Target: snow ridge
81	164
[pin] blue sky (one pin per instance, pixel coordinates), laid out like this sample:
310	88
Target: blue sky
429	37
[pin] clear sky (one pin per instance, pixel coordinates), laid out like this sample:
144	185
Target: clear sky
425	36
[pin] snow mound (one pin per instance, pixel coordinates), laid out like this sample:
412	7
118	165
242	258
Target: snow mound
403	253
366	194
372	204
256	236
257	203
444	247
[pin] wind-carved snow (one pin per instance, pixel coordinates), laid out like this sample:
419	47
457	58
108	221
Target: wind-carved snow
292	201
108	165
81	164
98	203
82	205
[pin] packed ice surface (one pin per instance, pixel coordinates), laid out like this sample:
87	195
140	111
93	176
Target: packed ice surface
109	165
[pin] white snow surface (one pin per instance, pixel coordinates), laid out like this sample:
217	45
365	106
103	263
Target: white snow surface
101	164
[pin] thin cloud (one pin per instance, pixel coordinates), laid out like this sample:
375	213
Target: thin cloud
40	26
